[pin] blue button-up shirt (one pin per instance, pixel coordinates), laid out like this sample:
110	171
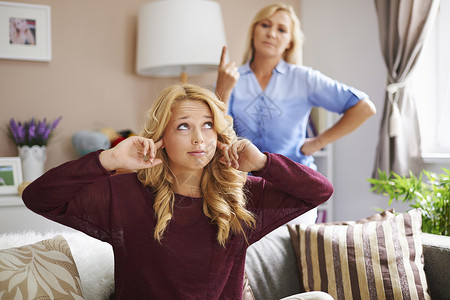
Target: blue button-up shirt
275	120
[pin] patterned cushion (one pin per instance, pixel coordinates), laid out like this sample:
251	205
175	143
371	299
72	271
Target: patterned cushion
43	270
247	293
367	259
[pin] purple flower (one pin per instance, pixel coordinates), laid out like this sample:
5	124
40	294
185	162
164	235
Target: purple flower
55	123
21	133
33	132
13	129
47	132
40	128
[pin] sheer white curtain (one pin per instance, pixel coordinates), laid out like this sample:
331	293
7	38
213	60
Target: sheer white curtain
443	78
430	83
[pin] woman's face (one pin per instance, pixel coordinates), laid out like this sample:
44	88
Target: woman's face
272	36
21	24
190	139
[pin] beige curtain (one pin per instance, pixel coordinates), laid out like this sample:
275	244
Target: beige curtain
403	25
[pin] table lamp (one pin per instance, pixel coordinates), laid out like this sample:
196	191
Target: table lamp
179	37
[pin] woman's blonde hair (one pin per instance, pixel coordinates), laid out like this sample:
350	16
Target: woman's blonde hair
222	187
291	55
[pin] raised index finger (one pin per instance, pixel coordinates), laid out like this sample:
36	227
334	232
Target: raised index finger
159	144
223	56
156	146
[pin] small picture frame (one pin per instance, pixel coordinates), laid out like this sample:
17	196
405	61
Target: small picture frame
10	175
25	31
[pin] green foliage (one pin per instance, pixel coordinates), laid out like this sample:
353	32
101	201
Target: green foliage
430	195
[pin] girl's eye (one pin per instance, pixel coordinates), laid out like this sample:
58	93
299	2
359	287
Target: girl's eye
265	25
282	30
183	126
208	125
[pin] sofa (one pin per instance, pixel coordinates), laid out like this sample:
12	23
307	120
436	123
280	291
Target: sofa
272	265
272	272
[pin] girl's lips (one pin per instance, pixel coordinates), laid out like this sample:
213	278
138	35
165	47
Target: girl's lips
197	153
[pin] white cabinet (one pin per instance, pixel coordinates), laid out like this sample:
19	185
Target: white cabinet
16	217
324	161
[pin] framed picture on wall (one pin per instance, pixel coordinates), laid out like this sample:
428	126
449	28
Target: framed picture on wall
25	31
10	175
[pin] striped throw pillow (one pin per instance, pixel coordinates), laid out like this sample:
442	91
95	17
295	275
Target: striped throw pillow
380	259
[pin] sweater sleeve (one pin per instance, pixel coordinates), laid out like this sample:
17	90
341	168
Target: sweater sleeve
76	194
283	191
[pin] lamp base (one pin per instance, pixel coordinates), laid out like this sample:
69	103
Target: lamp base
184	77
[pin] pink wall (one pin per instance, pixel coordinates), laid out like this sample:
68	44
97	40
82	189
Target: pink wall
91	81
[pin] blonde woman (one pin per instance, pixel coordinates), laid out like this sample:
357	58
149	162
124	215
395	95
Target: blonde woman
20	32
270	95
181	223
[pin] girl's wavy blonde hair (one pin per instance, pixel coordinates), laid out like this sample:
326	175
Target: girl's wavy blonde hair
222	187
291	55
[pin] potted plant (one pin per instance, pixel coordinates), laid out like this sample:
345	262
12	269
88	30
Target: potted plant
31	138
431	195
32	132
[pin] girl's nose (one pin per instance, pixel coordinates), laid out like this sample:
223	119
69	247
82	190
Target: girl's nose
197	138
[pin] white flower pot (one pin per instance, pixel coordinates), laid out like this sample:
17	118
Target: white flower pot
33	159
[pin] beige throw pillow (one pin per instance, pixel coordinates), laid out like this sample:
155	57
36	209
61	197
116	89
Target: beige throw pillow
379	259
43	270
247	293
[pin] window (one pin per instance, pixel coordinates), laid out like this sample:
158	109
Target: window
430	82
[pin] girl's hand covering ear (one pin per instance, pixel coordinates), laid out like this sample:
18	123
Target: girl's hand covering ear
133	153
242	155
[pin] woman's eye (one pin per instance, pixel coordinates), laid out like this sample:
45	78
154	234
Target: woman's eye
208	125
183	126
282	30
265	25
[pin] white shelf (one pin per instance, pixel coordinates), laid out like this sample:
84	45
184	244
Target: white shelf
324	161
11	200
321	153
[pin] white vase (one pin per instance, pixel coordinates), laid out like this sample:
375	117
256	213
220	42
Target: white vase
33	159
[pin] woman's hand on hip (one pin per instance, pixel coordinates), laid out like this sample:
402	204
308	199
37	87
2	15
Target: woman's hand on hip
311	146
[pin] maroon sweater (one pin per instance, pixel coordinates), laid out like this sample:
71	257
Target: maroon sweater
189	263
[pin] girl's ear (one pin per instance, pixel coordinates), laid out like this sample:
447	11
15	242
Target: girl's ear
160	144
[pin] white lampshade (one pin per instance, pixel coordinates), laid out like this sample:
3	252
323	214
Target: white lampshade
176	36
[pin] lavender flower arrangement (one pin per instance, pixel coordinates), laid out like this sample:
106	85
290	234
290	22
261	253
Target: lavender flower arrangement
33	132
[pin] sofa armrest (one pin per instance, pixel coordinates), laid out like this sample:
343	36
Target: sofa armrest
271	267
436	252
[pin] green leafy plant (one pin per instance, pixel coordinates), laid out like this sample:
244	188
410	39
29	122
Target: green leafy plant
430	195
